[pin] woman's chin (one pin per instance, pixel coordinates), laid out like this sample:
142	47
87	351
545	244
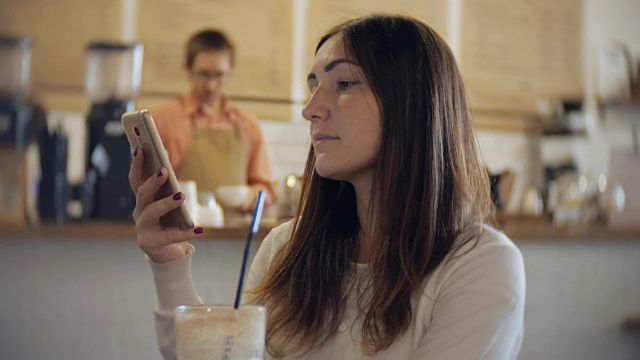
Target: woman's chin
328	172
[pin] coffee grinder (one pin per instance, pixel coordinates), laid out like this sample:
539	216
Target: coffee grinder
113	73
21	119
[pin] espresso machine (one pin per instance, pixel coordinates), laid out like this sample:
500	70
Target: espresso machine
21	121
113	74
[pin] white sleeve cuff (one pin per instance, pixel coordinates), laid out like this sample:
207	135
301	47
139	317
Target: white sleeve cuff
174	284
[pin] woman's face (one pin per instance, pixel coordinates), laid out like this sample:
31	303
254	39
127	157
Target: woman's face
344	115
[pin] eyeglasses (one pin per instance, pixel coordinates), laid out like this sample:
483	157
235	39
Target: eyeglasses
206	76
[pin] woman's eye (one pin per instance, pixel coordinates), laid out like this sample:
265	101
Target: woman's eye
345	84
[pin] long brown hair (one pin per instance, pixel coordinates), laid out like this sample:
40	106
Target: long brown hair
429	186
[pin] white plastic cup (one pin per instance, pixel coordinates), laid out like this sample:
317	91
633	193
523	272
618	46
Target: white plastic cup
220	332
190	190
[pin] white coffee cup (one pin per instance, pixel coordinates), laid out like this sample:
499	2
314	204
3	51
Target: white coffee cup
210	212
234	196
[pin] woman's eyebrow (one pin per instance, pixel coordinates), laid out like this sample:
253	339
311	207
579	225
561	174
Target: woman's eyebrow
330	67
337	62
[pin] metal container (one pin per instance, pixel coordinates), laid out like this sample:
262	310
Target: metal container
113	71
15	65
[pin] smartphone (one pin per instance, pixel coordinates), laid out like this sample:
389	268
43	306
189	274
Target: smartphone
143	135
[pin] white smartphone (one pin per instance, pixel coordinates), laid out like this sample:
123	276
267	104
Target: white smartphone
143	135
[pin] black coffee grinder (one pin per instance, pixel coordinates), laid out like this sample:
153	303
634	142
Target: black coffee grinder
113	73
21	119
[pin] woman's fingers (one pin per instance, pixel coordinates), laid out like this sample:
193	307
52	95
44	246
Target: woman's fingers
152	212
135	171
146	193
161	245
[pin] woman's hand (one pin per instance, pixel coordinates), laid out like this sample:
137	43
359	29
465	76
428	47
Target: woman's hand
160	244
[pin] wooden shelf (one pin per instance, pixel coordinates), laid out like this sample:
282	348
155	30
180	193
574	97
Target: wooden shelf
505	120
563	131
633	104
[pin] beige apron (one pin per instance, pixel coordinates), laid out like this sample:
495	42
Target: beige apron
215	158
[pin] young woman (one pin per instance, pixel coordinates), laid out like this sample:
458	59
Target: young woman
388	255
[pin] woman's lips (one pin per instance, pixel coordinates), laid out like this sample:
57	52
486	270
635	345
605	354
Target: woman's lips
321	137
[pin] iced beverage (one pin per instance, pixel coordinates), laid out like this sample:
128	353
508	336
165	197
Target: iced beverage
220	332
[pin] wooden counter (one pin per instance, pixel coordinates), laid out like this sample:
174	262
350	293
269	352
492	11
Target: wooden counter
541	229
518	229
124	230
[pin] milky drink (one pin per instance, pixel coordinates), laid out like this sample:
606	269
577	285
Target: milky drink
220	332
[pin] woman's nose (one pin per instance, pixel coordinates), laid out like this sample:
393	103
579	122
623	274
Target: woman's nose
316	107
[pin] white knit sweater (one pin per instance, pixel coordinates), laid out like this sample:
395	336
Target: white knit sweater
471	307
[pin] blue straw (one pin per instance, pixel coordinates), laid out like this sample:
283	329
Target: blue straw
255	225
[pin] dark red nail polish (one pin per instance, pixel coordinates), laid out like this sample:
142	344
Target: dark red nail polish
135	152
198	230
177	196
159	174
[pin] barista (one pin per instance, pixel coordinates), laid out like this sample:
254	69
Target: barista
209	140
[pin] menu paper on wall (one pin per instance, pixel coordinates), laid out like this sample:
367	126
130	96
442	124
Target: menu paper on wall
515	52
260	30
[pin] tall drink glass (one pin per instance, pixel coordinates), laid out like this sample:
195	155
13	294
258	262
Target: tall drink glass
220	332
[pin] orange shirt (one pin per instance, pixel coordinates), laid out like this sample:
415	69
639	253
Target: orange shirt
175	120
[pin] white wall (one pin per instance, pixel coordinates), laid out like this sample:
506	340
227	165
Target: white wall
287	145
